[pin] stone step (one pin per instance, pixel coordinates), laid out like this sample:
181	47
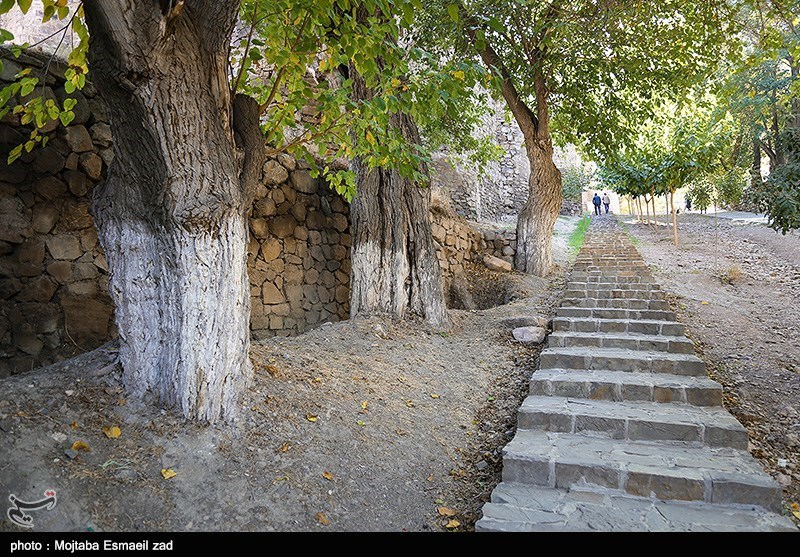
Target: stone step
659	470
633	420
616	313
577	285
618	359
620	294
644	279
657	343
526	508
617	303
626	385
597	325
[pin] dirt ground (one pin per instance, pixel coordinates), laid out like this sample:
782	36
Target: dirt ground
358	426
735	286
374	426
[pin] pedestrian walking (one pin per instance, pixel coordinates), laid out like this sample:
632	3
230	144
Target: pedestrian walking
596	201
606	201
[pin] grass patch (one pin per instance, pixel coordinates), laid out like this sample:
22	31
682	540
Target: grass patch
578	235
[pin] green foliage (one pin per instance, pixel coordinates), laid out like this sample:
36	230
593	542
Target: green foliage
295	61
22	96
574	180
604	63
779	195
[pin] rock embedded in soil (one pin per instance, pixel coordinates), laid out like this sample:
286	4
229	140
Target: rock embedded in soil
534	335
496	264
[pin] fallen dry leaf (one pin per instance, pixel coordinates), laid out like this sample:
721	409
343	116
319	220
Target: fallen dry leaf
311	417
317	380
445	511
74	425
272	369
453	523
401	432
322	519
434	395
168	473
112	432
364	404
703	303
328	476
410	403
361	423
81	446
796	514
283	448
430	478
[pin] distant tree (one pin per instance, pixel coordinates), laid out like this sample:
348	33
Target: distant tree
584	70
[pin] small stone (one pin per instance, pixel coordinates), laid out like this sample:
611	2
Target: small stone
533	335
92	165
59	437
496	264
71	454
274	172
79	139
783	480
792	440
482	465
303	182
5	425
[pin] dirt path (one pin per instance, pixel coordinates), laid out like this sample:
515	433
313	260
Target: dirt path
735	286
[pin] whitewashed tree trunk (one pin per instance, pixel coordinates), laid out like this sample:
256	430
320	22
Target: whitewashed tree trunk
171	216
395	269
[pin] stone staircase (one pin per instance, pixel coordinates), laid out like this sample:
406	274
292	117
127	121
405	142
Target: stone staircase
622	430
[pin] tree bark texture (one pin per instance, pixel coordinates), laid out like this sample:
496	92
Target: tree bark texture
172	215
395	269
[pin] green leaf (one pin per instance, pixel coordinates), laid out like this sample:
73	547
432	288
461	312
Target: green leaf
66	117
6	5
15	153
452	10
24	5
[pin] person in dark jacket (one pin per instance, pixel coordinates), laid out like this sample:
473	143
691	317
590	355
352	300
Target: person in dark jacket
596	201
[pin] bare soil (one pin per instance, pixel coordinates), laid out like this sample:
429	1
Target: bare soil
376	426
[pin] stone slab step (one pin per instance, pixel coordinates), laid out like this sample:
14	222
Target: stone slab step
578	285
631	326
614	294
626	385
636	421
524	508
617	359
615	303
616	313
635	341
660	470
608	278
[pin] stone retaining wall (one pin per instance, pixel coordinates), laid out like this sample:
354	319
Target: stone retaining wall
53	274
299	253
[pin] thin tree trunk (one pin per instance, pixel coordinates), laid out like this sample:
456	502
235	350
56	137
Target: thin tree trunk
171	216
647	207
395	269
755	169
674	216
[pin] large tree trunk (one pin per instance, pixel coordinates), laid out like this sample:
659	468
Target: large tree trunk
395	269
538	217
172	215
